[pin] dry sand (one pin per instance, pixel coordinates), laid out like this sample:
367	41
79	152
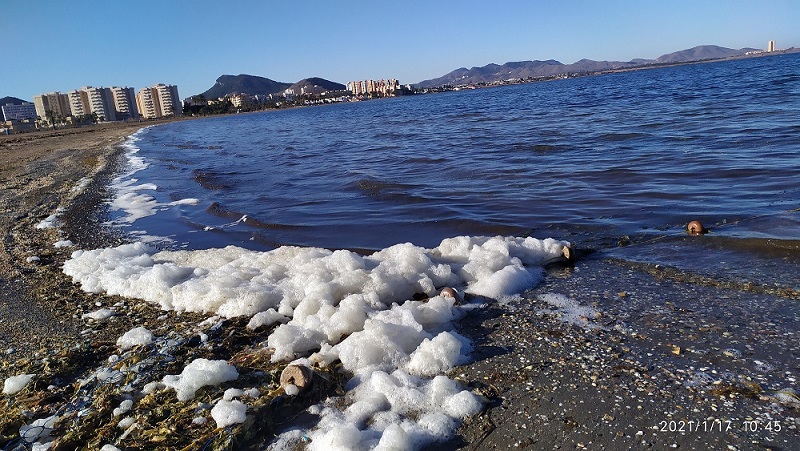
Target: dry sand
660	363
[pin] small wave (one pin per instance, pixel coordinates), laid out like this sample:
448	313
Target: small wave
386	190
477	227
769	247
537	148
426	160
621	136
211	180
216	209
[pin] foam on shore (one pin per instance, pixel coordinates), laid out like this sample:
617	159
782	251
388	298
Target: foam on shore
339	305
133	198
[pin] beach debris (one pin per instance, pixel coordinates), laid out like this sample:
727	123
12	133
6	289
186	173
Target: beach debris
788	396
296	375
567	257
696	228
15	384
448	292
568	253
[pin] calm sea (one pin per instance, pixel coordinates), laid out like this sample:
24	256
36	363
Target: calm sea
604	161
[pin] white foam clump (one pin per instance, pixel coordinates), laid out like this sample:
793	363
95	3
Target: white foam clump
200	373
268	318
80	186
341	305
226	413
15	384
99	314
299	282
570	311
48	222
125	423
63	243
385	402
138	336
232	393
124	407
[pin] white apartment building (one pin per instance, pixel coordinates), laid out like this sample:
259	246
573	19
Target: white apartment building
101	102
159	101
89	100
55	102
124	103
146	104
79	103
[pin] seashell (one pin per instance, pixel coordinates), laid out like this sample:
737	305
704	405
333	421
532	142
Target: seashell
696	228
448	292
297	375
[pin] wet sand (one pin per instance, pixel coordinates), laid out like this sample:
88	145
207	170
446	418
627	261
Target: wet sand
661	365
661	362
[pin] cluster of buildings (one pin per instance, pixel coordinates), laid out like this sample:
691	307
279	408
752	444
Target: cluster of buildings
770	49
95	104
383	88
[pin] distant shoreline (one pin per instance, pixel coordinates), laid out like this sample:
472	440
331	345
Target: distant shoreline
648	66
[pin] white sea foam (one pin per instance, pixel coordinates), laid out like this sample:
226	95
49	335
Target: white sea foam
49	222
138	336
133	198
226	413
15	384
570	311
337	305
200	373
99	314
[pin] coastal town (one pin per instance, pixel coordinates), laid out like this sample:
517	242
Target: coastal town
92	105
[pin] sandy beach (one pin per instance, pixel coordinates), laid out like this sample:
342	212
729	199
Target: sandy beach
653	360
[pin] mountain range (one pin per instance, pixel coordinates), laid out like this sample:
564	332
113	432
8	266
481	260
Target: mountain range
242	83
255	85
525	69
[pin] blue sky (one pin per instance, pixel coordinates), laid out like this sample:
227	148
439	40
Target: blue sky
63	45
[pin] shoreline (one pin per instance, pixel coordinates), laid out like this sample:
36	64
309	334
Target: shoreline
612	379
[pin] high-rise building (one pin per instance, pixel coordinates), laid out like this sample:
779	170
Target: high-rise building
89	100
145	104
382	87
102	103
124	103
159	101
771	46
109	104
79	103
54	103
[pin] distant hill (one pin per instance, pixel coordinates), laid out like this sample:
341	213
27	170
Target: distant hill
516	70
699	53
249	84
325	85
524	69
12	100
